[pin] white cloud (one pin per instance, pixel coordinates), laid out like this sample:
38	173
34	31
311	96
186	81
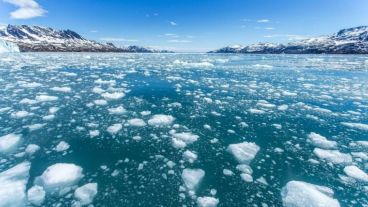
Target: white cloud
117	39
26	9
296	37
263	20
179	41
269	28
171	35
173	23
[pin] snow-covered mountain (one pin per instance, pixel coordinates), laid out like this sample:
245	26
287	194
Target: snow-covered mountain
346	41
46	39
6	47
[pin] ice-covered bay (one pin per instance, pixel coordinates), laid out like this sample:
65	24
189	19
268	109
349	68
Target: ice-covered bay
183	129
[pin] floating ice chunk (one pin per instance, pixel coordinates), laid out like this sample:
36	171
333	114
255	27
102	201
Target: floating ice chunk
244	152
98	90
62	89
13	185
32	148
46	98
100	102
36	195
321	141
334	156
62	146
28	101
31	85
283	107
85	194
256	111
59	177
113	96
48	117
287	93
115	128
19	114
265	104
356	125
9	142
190	156
207	201
302	194
53	110
192	177
94	133
227	172
34	127
180	140
161	120
246	177
244	168
100	81
137	122
145	113
117	110
356	173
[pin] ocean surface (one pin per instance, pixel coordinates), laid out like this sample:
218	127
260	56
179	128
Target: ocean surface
166	129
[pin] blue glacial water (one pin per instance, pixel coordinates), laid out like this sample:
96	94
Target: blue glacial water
92	118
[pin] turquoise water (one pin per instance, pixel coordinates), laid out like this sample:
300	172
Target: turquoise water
275	101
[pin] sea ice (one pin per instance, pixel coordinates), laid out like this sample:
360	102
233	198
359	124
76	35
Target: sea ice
9	142
334	156
137	122
113	96
31	149
190	156
192	177
19	114
117	110
36	195
356	125
46	98
302	194
13	185
59	177
161	120
321	141
85	194
180	140
207	201
243	152
356	173
115	128
62	89
62	146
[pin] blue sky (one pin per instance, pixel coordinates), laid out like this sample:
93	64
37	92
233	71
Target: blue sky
189	25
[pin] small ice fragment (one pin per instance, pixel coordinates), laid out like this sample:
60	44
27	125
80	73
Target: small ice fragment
62	146
115	128
136	122
192	177
244	152
36	195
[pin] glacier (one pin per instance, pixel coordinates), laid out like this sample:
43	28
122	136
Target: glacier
6	47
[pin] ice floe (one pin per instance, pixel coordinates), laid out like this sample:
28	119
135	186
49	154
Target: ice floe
356	125
13	185
356	173
333	156
85	194
207	201
181	140
161	120
36	195
321	141
136	122
244	152
60	177
302	194
192	177
115	128
9	142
